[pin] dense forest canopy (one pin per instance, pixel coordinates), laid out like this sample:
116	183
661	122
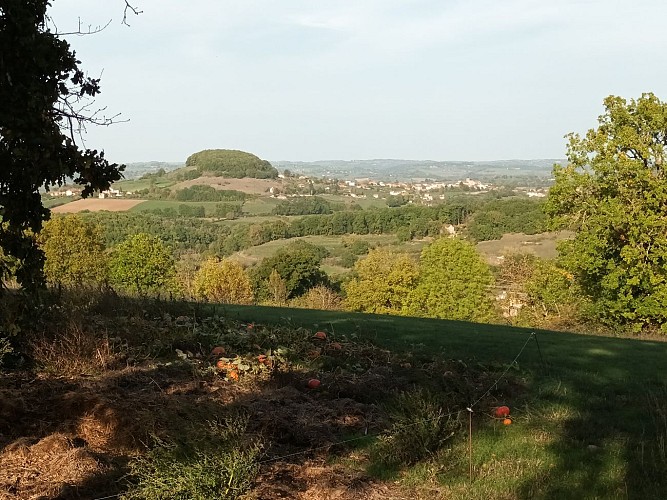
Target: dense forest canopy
231	163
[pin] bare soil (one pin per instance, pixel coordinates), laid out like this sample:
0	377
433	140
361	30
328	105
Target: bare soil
97	205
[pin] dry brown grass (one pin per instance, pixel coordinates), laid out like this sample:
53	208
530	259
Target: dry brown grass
75	351
542	245
96	205
47	468
247	184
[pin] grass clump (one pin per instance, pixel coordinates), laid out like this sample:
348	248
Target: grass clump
222	464
421	425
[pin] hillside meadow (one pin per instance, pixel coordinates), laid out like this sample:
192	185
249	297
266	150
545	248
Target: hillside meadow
148	399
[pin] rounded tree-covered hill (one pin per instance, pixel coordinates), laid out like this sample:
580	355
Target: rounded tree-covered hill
231	163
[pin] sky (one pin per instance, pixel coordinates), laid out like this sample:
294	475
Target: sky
306	80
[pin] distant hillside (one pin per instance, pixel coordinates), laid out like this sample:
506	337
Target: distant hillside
405	170
139	169
231	163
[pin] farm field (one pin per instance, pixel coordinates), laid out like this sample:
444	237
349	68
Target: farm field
364	203
252	219
259	206
56	202
133	185
542	245
97	205
246	184
209	206
333	244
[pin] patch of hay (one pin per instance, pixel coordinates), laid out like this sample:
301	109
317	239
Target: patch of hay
44	469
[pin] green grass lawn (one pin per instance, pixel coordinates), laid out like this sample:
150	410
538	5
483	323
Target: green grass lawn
332	243
138	184
364	203
589	422
56	202
209	206
260	206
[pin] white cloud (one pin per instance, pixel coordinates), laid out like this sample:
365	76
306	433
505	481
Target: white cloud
411	78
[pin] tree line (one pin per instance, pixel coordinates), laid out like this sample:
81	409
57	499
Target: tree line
448	280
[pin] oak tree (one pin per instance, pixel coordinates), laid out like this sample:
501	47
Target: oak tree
613	194
454	282
46	101
382	283
75	252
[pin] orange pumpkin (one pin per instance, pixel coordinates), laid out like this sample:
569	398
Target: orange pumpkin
507	421
233	375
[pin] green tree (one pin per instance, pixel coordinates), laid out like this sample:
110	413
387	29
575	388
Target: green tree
223	281
383	282
453	283
277	289
75	252
231	163
298	264
42	90
613	194
143	264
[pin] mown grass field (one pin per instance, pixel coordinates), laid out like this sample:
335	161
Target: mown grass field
260	206
334	244
209	206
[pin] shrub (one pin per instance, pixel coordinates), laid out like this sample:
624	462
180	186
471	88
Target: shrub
420	427
216	466
319	297
223	281
143	264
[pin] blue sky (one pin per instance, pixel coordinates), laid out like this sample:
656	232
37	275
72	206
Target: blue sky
339	79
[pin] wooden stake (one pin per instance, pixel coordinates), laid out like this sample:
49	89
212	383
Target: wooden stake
470	442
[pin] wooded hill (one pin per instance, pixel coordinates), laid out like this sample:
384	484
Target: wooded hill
231	163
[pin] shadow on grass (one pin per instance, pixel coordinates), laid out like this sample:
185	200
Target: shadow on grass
606	441
96	422
609	427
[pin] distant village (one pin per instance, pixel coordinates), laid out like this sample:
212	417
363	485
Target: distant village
425	191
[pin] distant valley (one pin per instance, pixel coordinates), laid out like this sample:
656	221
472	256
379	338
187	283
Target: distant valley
389	169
